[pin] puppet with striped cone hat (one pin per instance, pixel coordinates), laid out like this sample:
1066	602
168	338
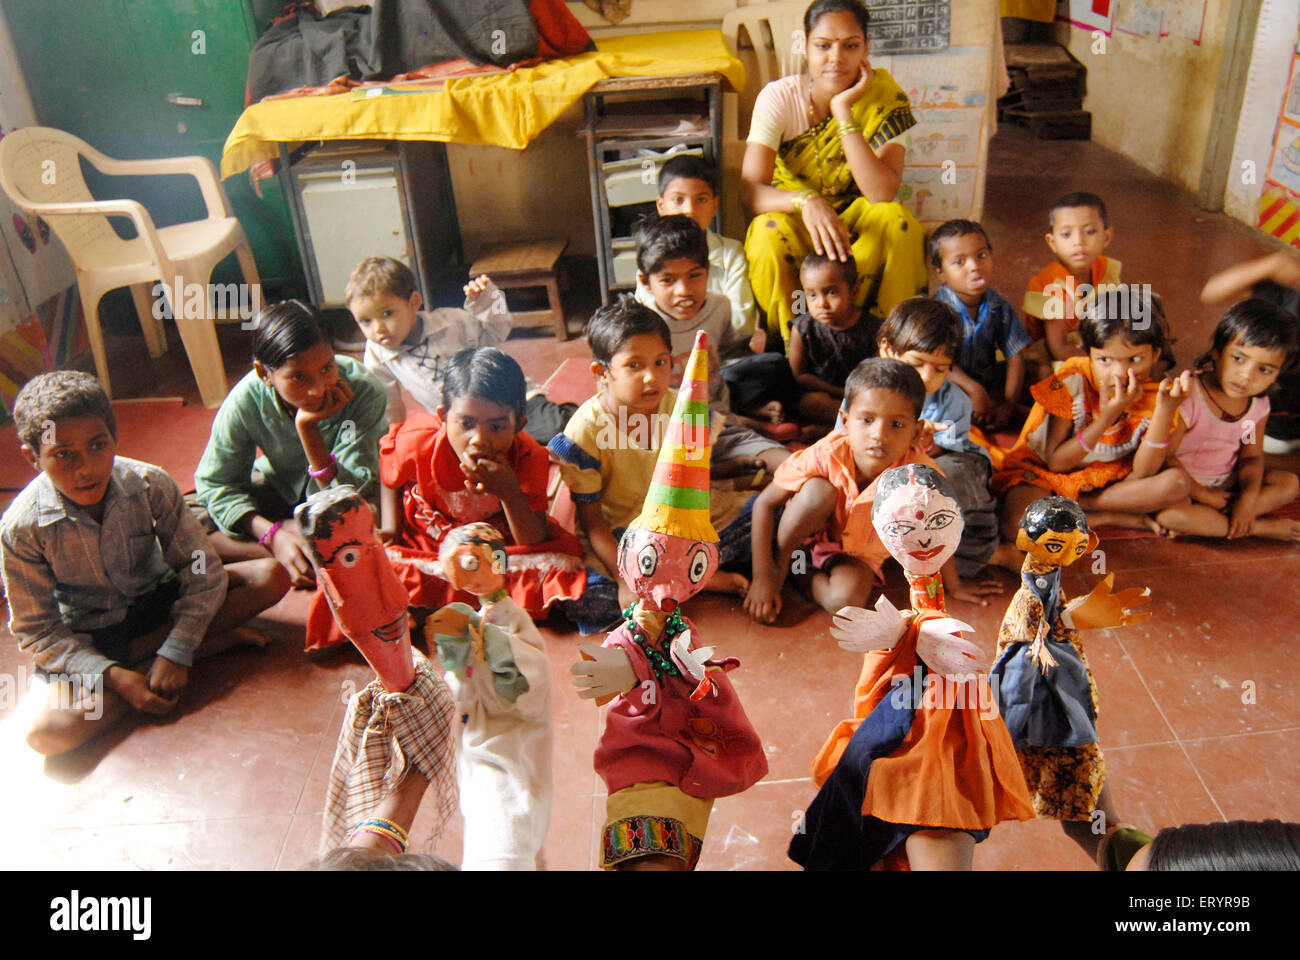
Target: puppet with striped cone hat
676	736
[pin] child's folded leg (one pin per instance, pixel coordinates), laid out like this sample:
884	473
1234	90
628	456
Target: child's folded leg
1131	502
820	407
845	581
253	586
77	709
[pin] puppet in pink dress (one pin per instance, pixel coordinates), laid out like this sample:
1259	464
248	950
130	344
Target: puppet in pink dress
676	736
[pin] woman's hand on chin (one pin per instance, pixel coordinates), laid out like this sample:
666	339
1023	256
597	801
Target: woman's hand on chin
842	103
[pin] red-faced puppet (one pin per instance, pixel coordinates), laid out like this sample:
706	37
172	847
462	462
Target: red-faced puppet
367	599
402	720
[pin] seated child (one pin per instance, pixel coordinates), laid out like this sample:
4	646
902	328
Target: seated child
1275	278
672	258
1079	231
314	417
689	185
112	586
472	462
826	491
409	347
962	258
926	335
830	338
1226	416
1101	432
607	457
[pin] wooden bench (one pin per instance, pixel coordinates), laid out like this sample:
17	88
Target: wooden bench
527	264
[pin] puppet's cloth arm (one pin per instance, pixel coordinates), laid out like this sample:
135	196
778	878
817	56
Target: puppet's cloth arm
384	736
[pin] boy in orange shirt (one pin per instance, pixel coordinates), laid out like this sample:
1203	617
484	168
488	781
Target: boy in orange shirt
1079	233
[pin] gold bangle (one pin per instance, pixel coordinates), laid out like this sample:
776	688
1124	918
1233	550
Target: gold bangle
847	127
801	199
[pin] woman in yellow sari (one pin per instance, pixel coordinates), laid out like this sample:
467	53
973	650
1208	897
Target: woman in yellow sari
821	170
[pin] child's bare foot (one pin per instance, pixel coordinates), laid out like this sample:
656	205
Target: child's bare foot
726	582
1159	529
238	637
1276	528
771	411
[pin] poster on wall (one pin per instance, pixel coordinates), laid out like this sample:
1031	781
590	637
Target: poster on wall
943	149
1153	19
1263	187
1093	15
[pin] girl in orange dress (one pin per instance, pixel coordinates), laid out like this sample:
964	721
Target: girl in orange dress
925	768
1100	431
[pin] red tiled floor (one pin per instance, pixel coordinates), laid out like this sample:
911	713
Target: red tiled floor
237	779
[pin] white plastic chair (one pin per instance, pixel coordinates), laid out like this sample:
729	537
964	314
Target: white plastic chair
41	173
782	44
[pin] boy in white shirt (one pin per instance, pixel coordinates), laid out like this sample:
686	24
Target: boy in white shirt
409	347
689	185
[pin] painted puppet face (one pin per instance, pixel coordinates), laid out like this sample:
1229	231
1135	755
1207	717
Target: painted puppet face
474	566
364	594
920	527
1057	548
663	570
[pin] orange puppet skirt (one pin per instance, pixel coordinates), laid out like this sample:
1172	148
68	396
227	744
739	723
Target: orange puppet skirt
921	752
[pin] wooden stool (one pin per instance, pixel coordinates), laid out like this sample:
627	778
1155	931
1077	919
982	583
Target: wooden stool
528	264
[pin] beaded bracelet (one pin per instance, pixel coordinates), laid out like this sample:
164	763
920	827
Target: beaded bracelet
378	833
801	200
388	829
265	539
323	471
847	128
1079	437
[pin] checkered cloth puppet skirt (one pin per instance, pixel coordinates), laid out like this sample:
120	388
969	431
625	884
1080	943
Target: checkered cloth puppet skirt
383	734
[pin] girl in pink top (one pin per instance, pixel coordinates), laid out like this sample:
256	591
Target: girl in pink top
1225	414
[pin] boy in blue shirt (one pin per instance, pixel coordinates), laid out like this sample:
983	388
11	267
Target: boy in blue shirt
962	258
927	336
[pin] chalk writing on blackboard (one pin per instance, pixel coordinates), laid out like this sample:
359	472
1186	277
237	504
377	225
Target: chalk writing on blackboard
909	26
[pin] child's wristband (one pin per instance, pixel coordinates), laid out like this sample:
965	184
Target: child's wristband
325	470
265	539
1148	442
1079	437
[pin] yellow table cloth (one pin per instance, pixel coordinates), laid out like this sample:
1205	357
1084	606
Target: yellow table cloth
503	110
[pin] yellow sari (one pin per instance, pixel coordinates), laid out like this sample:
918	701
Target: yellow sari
887	241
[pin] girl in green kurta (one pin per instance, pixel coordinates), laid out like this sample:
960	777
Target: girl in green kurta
823	164
314	417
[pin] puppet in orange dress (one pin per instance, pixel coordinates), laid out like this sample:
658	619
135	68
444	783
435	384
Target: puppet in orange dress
399	724
1045	690
925	768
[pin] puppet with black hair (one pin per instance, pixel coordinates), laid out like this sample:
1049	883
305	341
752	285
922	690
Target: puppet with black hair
1045	690
400	723
499	673
925	768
